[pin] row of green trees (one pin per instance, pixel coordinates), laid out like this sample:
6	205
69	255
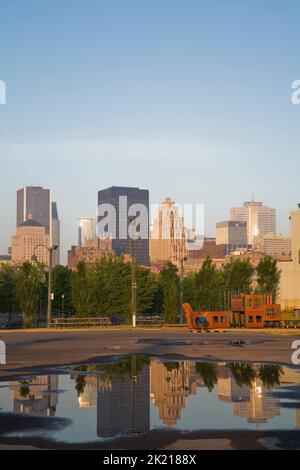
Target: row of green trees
105	288
209	288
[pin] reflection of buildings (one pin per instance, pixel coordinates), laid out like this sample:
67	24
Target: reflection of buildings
298	419
123	405
170	387
260	408
228	390
248	402
38	396
88	398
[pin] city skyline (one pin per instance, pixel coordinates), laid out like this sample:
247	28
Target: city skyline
65	246
187	100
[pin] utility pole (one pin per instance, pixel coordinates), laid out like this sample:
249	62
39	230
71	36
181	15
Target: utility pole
50	295
133	279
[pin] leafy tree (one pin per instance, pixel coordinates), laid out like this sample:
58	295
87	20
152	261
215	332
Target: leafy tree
62	286
82	298
237	275
111	286
189	289
8	279
29	283
207	284
268	275
146	287
170	288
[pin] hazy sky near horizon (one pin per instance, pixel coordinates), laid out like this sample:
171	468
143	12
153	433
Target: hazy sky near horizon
189	98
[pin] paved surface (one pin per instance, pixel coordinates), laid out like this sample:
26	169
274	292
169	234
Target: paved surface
36	351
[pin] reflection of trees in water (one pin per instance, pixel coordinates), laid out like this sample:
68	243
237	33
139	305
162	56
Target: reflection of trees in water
244	374
24	389
171	366
111	372
80	383
209	374
269	375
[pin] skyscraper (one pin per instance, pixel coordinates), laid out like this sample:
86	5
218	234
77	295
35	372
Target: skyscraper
123	407
231	234
87	231
260	219
168	240
34	202
55	235
117	206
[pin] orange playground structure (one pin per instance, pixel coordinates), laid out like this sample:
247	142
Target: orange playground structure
247	310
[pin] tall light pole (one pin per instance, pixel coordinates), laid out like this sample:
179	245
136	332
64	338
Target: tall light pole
182	259
34	258
62	304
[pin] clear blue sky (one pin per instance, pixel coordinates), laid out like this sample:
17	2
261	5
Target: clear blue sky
187	98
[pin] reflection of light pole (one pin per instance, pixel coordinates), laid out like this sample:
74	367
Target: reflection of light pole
34	258
133	401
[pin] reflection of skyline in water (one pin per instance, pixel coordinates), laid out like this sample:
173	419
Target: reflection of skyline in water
123	393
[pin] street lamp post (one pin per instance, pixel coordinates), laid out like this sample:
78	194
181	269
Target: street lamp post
133	284
34	258
182	259
133	235
62	304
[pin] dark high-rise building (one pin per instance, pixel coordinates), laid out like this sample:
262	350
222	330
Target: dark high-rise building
125	202
34	203
123	406
55	235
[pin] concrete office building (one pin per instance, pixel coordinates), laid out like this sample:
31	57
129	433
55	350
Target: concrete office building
231	234
28	236
274	245
289	289
117	208
87	231
260	219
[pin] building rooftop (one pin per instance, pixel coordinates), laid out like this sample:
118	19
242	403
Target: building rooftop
31	223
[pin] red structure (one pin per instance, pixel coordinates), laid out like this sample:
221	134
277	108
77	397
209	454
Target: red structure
205	320
247	310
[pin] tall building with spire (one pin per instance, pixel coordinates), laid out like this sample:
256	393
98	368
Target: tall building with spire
168	241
